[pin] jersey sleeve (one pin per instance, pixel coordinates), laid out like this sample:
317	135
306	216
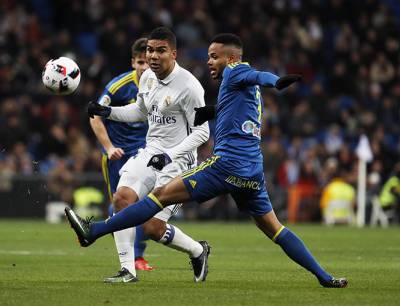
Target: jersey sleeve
244	75
199	134
194	98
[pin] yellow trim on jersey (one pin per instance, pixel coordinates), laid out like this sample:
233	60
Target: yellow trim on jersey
121	82
106	176
233	65
135	78
121	85
277	233
155	200
200	167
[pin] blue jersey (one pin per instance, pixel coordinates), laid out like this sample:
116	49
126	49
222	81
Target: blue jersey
120	91
239	111
236	166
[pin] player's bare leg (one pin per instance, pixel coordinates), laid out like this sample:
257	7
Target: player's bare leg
295	249
173	192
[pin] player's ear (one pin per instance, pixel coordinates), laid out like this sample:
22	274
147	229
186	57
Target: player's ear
231	58
133	62
174	53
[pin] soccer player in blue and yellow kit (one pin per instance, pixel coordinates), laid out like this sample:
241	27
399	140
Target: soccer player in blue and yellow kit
121	140
236	166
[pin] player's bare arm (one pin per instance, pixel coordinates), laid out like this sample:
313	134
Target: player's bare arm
100	131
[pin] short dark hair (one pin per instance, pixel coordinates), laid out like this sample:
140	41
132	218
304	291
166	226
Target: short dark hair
163	33
139	47
228	39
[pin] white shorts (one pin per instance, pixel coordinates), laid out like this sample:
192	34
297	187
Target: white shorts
142	179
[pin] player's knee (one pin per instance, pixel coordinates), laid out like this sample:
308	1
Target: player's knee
160	194
157	192
154	228
120	201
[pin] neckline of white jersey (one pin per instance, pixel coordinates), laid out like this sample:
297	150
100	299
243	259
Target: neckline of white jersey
170	76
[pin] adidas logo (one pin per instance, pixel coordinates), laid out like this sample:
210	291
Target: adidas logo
193	183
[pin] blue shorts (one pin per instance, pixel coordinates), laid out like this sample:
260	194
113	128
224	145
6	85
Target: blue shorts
219	175
110	169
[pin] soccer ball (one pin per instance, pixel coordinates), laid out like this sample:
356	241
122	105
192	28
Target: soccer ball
61	76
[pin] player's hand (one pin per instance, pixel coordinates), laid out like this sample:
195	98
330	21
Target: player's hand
287	80
95	109
115	153
204	114
159	161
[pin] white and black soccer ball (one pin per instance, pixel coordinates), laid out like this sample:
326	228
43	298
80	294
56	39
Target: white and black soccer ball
61	76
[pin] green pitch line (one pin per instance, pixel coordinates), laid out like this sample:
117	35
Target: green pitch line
41	264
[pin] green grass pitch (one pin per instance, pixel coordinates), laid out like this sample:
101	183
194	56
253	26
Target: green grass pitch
42	264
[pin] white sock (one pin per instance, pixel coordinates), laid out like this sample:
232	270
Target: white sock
124	241
178	240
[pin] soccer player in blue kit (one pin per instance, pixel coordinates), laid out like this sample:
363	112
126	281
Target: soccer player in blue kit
121	140
236	165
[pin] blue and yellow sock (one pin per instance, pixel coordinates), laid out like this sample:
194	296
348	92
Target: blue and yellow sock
130	216
294	247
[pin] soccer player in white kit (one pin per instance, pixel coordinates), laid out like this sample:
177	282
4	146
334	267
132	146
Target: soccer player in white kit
167	97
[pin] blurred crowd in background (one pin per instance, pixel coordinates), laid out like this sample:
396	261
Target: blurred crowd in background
347	51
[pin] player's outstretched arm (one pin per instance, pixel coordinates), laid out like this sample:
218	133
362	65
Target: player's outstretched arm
127	113
268	79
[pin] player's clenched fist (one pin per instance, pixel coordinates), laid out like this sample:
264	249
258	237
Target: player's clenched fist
204	114
159	161
287	80
115	153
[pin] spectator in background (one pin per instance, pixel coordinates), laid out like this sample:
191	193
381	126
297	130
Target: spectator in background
338	200
389	197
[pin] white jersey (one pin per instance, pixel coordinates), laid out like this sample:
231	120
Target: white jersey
168	105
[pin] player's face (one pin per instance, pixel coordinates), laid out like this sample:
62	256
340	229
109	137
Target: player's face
217	60
160	57
139	63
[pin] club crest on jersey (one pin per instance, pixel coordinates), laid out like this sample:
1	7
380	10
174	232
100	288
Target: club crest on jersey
150	83
249	127
167	101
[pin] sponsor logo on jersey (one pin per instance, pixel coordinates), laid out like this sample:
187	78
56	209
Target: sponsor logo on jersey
156	117
249	127
241	183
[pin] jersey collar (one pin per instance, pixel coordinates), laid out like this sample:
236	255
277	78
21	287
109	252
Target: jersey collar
171	76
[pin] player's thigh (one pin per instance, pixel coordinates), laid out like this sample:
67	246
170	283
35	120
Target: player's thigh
137	176
254	201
